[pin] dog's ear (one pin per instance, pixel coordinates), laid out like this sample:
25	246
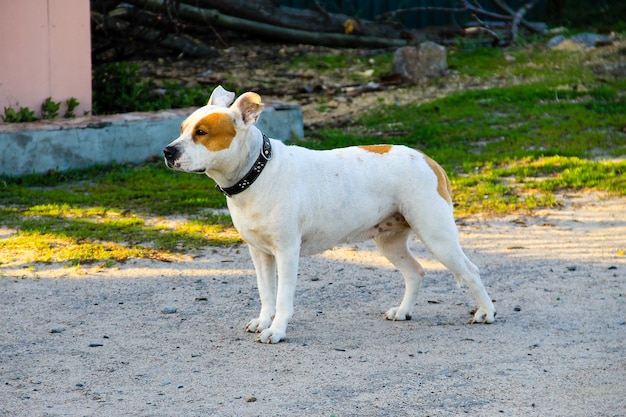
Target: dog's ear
221	97
249	106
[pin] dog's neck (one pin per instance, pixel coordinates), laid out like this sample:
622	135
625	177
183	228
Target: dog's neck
250	146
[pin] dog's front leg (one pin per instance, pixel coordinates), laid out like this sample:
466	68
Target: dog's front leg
287	261
265	267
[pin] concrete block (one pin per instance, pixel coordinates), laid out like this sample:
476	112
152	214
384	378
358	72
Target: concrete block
132	137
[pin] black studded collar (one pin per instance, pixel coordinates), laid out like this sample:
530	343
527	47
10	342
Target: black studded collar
264	157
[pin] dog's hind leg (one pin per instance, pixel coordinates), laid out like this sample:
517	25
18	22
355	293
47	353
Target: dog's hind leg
441	237
265	266
394	247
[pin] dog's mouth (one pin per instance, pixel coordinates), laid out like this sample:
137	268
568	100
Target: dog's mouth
172	160
175	165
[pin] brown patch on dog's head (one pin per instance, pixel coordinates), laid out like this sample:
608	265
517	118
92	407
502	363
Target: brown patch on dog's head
215	131
379	149
443	183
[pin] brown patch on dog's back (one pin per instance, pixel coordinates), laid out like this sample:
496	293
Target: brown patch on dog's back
443	183
379	149
219	131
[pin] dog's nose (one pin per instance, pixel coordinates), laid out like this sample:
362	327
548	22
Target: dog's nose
170	153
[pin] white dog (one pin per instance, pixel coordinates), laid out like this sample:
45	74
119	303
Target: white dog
288	201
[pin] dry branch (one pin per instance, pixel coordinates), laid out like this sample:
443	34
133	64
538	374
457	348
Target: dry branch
182	43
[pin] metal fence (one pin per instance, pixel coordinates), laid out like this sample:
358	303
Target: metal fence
544	10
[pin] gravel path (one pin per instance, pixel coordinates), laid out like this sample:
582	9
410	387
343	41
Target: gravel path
167	339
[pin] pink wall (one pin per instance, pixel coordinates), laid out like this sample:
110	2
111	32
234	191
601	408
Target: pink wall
45	51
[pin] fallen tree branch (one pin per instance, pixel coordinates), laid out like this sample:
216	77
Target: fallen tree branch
310	20
512	18
466	7
182	43
215	17
518	17
532	26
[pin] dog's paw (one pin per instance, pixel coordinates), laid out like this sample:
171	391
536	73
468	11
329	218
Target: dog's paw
271	336
397	314
483	315
258	325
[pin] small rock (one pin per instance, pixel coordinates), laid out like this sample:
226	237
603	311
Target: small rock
571	268
414	63
96	345
249	399
169	310
56	330
517	308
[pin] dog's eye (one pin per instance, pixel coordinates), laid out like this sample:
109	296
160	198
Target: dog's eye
200	132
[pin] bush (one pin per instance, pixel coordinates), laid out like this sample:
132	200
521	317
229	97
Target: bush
118	88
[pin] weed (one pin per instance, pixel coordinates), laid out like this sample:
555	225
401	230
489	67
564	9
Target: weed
50	109
24	115
72	103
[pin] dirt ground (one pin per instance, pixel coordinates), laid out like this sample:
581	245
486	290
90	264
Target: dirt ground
166	339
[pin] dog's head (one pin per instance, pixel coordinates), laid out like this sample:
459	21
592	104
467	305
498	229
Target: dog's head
213	131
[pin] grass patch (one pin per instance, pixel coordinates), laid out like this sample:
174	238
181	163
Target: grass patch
147	189
534	182
113	213
357	66
486	125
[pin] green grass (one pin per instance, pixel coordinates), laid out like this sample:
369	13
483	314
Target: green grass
522	132
511	148
486	125
347	62
147	189
113	213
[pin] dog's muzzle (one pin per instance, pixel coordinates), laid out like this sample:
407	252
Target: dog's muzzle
171	154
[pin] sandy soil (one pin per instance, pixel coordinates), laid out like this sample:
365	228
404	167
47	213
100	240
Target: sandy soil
165	339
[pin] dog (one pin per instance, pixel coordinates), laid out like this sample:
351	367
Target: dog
289	201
